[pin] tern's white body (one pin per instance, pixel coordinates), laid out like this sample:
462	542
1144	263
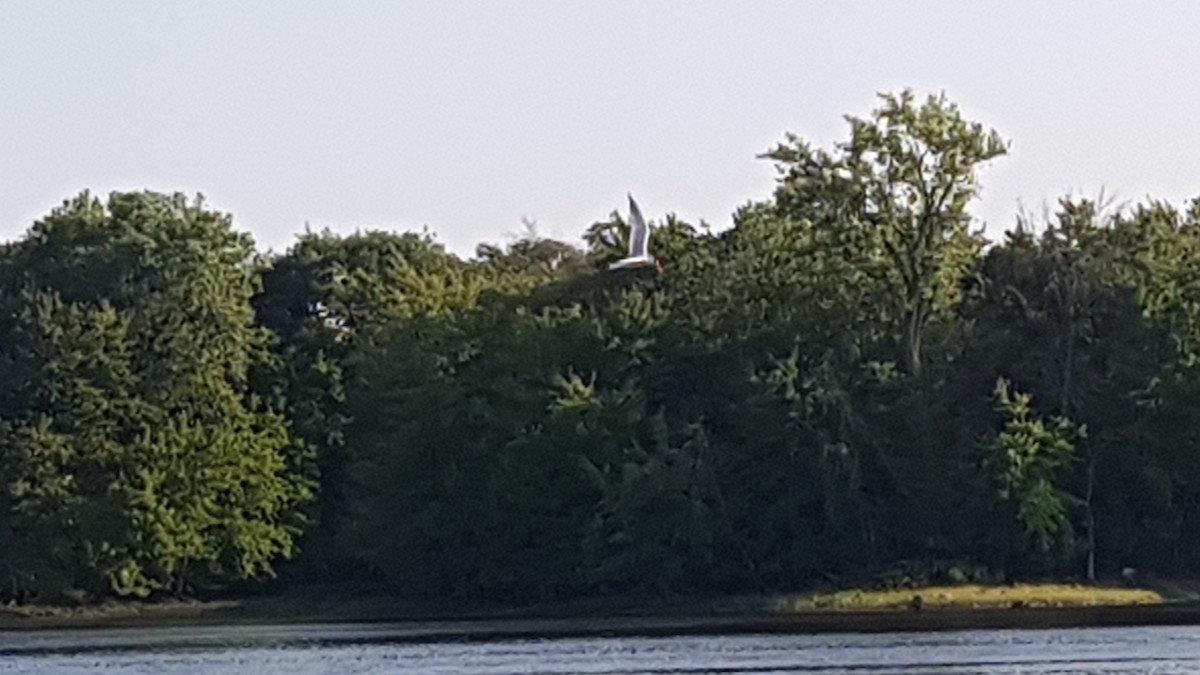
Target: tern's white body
634	261
639	242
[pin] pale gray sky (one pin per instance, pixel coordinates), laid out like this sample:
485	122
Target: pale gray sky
466	116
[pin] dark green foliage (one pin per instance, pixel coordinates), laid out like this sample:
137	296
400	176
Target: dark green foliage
809	397
135	455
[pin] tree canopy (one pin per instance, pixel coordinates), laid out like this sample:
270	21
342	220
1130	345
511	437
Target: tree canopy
848	384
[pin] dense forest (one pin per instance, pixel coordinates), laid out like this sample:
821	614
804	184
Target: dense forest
849	384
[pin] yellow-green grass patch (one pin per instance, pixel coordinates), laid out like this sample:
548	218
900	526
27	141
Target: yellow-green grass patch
977	596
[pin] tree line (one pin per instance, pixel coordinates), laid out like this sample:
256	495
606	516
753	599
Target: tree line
850	384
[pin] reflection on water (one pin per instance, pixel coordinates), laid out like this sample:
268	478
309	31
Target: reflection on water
370	649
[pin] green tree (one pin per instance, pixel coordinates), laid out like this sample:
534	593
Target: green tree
329	300
1157	250
133	443
893	202
1029	457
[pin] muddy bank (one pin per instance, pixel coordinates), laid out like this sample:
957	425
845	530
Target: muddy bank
401	627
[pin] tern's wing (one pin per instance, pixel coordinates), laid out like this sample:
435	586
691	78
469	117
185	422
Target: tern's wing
639	234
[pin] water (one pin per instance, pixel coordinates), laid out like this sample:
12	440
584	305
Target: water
374	649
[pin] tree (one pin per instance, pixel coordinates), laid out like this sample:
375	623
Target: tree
1157	250
893	201
331	300
1059	311
1028	456
133	443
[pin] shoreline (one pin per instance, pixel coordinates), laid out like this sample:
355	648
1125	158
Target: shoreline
403	626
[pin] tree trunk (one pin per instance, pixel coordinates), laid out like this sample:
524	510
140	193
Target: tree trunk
911	349
1091	520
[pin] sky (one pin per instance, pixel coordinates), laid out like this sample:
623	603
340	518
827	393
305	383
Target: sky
470	117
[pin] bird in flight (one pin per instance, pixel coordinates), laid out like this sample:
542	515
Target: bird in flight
639	242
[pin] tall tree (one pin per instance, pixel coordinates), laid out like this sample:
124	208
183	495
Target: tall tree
132	441
893	200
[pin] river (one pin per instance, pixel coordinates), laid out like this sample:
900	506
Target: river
375	649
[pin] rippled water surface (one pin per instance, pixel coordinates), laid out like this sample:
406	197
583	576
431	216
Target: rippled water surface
310	649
